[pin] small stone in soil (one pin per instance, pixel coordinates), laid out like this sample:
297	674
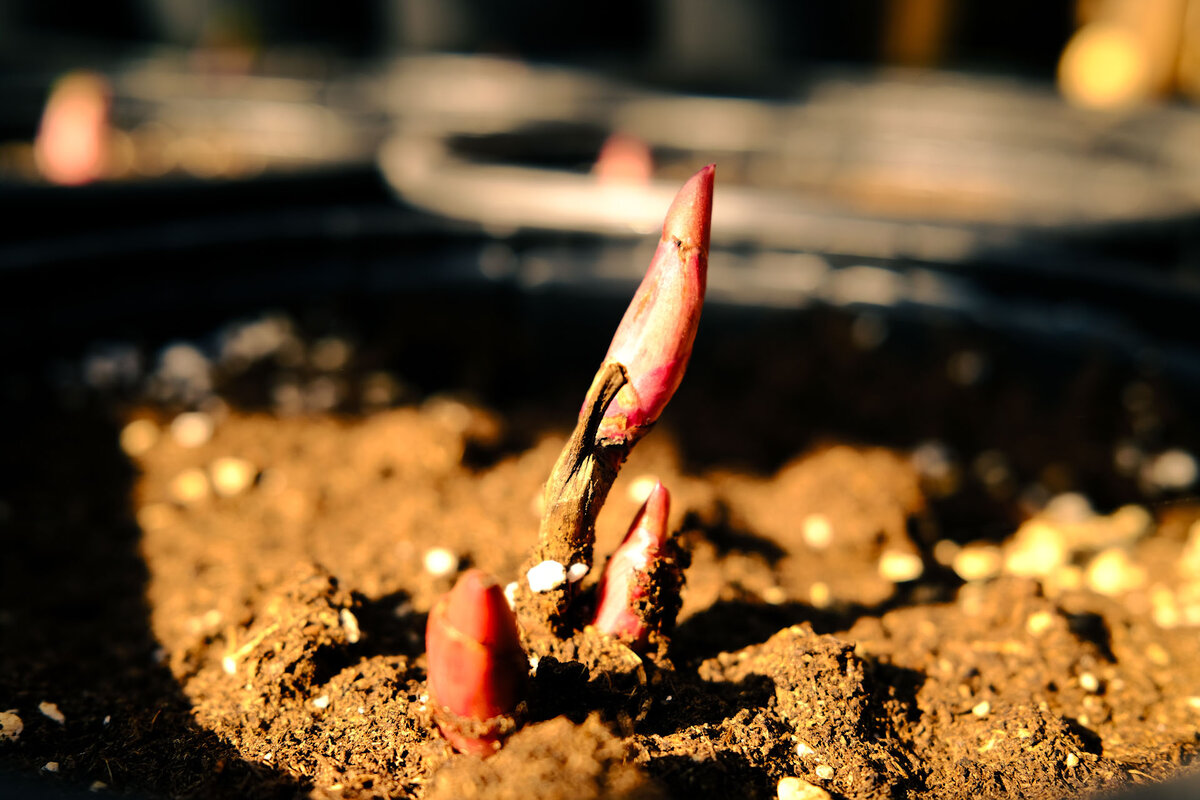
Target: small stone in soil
138	437
899	566
50	766
824	771
1171	470
189	486
817	531
350	623
231	476
1039	622
1112	573
10	725
546	576
799	789
1036	550
982	708
977	562
440	562
577	572
50	711
192	429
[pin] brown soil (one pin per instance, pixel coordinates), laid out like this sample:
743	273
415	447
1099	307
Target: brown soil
823	634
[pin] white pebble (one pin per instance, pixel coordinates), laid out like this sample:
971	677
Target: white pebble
1112	573
576	572
11	725
1089	682
321	702
982	708
510	594
330	354
1036	550
440	562
944	551
932	460
817	531
804	749
189	486
546	576
900	566
350	624
977	562
1072	760
1173	469
1039	622
231	476
229	664
50	711
138	437
824	771
641	487
1069	508
192	429
792	788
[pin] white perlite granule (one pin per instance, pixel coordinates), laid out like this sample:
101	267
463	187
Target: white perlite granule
546	576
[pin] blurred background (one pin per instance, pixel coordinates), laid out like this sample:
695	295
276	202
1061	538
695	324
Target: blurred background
1030	168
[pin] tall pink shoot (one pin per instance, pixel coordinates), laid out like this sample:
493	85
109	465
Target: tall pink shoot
654	340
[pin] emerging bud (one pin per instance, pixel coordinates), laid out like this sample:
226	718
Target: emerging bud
639	592
654	340
477	669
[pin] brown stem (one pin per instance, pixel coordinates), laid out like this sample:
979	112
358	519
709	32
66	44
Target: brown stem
577	488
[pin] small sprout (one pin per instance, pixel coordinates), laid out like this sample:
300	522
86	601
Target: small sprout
643	367
639	592
477	670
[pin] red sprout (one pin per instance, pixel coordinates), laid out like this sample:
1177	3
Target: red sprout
477	669
655	337
639	592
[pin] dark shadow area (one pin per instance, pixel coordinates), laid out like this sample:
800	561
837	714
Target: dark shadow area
75	629
722	774
730	625
389	627
1092	628
726	538
699	702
